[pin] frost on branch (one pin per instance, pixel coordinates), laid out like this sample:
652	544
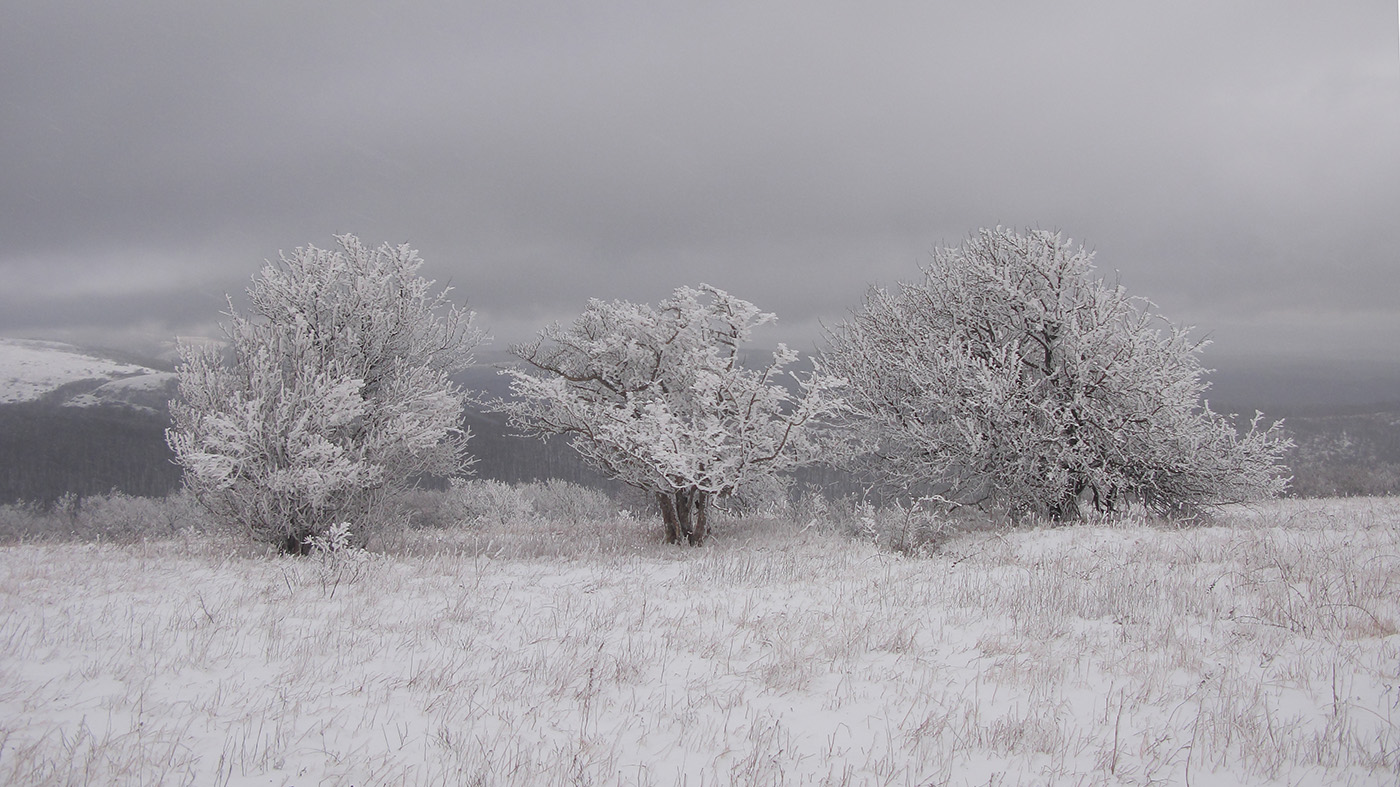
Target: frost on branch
658	398
1009	375
332	396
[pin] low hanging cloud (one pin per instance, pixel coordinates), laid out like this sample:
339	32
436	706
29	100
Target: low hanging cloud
1236	163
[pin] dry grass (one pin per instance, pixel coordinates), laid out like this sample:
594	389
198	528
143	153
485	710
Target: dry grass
1262	649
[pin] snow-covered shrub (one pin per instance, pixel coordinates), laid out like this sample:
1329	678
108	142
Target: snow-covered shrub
67	508
336	558
1010	375
811	504
122	517
422	509
334	396
336	538
114	516
21	520
566	503
916	529
478	500
767	497
657	397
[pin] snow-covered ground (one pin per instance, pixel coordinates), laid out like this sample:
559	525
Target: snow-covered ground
31	369
1260	650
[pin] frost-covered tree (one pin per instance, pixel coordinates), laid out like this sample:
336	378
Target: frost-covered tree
1010	375
332	397
657	397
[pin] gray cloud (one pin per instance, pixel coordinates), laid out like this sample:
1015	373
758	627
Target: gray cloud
1234	162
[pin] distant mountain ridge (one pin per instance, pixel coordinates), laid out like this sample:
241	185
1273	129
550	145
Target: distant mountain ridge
1347	451
59	373
87	421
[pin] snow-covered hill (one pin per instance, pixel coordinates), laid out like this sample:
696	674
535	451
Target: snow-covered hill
32	370
145	391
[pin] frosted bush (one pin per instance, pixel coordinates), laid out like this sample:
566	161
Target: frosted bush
918	528
1012	376
124	517
336	538
479	500
336	559
659	398
334	396
810	504
21	520
114	516
561	502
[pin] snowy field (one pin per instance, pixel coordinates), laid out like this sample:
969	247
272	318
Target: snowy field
1262	649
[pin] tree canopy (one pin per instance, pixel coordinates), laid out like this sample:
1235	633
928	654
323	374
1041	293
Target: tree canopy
332	396
1010	375
659	398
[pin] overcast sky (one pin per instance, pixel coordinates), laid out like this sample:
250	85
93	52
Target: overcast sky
1236	162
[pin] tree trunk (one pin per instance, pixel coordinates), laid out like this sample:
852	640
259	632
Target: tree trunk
667	504
701	528
684	510
293	545
686	515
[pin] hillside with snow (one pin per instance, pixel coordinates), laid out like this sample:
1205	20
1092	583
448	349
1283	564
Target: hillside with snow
36	370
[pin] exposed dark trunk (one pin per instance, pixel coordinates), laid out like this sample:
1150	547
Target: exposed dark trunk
293	545
1106	500
1067	508
686	515
701	525
667	504
684	497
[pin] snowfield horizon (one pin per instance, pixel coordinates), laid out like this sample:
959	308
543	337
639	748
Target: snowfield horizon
1260	648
